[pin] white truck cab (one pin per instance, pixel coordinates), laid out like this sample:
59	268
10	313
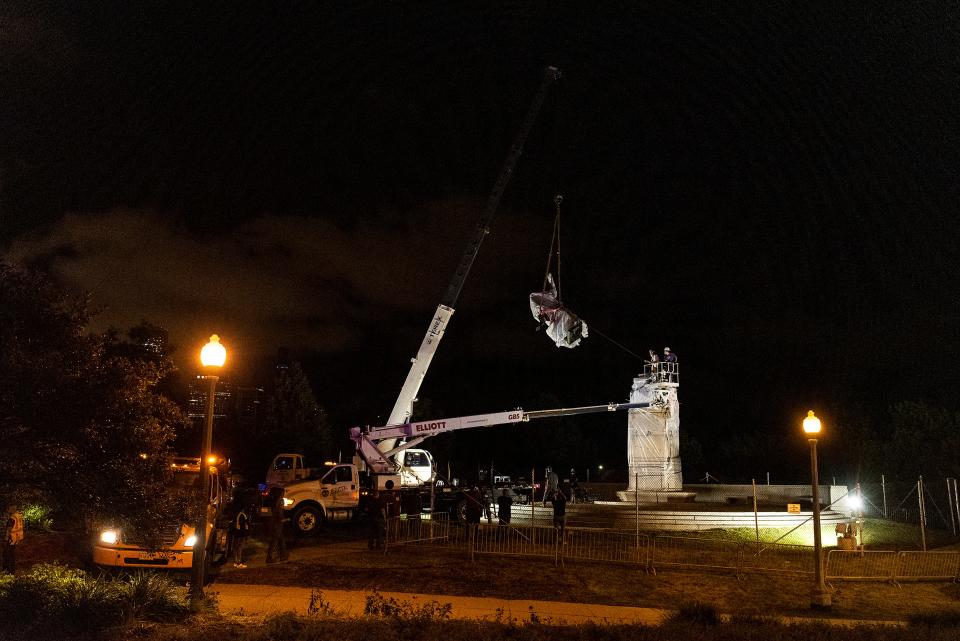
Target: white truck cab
314	495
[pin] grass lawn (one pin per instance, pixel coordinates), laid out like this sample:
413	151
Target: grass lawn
339	560
346	564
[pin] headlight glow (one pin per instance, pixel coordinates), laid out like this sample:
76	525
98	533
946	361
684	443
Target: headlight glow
110	536
287	502
191	541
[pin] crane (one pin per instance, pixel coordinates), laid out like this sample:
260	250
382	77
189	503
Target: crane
369	440
403	407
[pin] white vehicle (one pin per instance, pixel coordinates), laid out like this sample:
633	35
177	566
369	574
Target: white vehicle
116	547
315	495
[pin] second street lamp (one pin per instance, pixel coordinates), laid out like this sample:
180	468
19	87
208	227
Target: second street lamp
212	357
820	597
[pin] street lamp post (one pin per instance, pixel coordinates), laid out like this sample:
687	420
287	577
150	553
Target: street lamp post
212	356
820	596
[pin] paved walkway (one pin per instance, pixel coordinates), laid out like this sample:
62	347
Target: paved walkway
240	598
266	599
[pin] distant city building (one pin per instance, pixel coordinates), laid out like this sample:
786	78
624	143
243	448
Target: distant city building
197	403
242	404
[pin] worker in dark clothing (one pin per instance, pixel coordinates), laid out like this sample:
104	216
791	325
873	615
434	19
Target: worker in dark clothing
12	532
277	550
391	500
504	503
550	484
391	504
560	510
474	510
670	364
474	507
239	530
377	511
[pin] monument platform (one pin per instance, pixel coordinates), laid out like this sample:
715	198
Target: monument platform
656	496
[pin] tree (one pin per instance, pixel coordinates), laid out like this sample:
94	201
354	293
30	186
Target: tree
924	440
294	421
81	425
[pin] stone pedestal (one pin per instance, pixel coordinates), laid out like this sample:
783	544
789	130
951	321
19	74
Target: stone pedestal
653	442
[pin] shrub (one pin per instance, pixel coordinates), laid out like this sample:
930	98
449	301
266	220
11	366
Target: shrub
320	607
56	593
38	516
153	597
695	612
389	608
936	619
284	625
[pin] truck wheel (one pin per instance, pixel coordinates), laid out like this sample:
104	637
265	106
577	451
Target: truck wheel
460	511
307	520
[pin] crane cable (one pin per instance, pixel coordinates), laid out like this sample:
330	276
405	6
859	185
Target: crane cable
555	249
554	243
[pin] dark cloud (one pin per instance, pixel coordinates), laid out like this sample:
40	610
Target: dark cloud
280	280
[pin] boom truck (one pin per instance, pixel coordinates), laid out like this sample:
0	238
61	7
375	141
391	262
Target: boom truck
387	454
336	495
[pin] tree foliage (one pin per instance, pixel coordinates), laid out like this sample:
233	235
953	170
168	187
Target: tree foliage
81	424
294	421
924	440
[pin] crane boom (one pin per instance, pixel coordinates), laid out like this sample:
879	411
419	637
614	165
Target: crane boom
403	407
370	440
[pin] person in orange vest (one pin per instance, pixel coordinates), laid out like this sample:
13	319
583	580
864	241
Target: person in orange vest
12	535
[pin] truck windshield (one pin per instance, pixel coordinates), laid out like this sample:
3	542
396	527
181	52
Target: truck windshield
186	483
416	459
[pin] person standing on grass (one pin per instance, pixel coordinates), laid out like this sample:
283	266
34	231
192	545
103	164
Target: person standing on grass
277	551
551	482
240	529
377	511
12	536
560	510
474	510
504	503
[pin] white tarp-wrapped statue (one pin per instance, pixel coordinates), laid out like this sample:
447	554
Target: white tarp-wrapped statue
562	326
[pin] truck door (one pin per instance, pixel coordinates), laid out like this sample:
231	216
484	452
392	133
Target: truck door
340	485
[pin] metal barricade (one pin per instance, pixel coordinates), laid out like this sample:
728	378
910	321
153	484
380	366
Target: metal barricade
514	540
777	558
605	546
427	529
861	565
679	551
928	566
652	552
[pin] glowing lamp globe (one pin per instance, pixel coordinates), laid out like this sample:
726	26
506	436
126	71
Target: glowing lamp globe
213	354
811	424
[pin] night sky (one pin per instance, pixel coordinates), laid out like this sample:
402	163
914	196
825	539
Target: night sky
768	188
